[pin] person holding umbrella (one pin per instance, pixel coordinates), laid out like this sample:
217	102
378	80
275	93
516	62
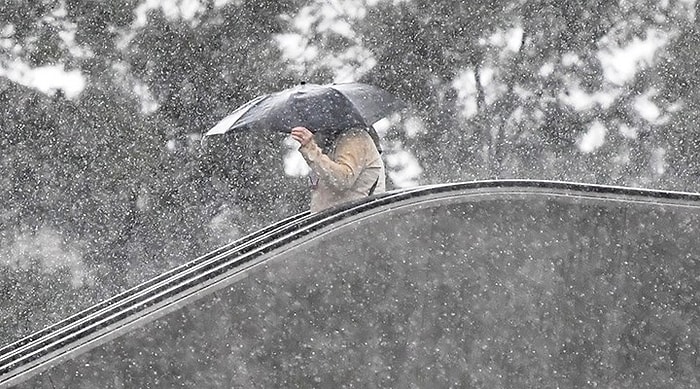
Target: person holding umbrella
347	166
333	124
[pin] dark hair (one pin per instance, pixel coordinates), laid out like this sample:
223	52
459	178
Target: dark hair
326	139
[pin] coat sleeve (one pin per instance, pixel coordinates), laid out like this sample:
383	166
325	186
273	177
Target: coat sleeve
342	172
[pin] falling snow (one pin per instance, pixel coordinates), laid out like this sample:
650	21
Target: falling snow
108	181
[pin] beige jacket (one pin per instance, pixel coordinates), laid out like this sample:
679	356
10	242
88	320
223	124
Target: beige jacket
348	173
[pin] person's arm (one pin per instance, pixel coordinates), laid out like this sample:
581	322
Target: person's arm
342	172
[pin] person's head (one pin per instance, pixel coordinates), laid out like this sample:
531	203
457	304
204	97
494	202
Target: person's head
325	139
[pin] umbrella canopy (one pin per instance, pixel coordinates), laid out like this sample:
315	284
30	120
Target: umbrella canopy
317	107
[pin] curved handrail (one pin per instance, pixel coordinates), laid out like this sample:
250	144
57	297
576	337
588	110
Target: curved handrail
234	258
16	346
96	318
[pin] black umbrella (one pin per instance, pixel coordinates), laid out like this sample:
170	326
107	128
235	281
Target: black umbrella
317	107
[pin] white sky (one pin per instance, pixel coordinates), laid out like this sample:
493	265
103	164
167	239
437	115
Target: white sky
172	9
621	63
594	138
47	79
646	108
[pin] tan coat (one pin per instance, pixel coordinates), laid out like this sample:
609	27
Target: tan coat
348	173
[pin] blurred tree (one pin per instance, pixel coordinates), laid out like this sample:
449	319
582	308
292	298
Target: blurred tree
513	89
676	81
30	31
120	168
198	71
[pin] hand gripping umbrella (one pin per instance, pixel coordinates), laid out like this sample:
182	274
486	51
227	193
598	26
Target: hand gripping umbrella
317	107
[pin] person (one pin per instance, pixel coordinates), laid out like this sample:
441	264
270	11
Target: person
345	165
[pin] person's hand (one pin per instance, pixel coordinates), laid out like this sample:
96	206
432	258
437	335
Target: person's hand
302	135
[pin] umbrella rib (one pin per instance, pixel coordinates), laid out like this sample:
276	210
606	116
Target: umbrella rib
227	123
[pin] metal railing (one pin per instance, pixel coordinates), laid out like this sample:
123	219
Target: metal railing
176	287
